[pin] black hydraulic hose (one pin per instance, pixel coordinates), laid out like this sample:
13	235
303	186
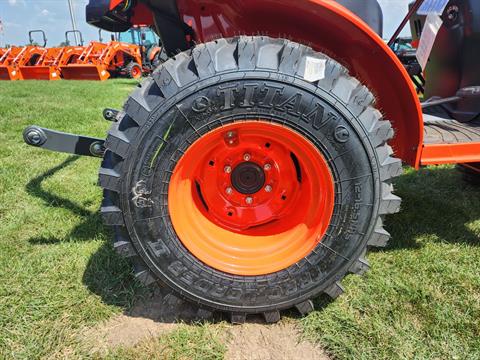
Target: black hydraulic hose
411	12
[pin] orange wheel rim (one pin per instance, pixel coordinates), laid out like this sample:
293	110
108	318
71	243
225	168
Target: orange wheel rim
251	198
136	73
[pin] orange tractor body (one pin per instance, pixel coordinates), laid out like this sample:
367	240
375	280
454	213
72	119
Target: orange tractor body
70	55
302	21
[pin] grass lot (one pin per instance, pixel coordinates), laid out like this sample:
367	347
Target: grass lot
59	275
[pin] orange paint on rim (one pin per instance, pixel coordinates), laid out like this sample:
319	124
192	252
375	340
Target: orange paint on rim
136	72
251	198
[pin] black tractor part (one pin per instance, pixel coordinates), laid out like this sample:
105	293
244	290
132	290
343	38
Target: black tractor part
98	14
368	10
470	173
168	112
453	63
31	39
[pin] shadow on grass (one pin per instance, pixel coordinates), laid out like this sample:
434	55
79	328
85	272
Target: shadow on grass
107	274
87	229
436	203
110	277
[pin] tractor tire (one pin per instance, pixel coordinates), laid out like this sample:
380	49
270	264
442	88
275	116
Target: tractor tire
469	175
134	70
249	175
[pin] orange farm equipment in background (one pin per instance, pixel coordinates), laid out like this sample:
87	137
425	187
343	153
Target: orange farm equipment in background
38	62
46	63
8	63
133	53
99	61
17	63
41	64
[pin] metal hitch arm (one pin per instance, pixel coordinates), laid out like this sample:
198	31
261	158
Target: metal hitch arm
63	142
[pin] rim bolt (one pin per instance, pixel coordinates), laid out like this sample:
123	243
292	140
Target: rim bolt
249	200
268	188
227	169
230	137
267	167
246	156
229	190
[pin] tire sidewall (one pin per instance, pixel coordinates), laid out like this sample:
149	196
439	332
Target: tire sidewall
196	280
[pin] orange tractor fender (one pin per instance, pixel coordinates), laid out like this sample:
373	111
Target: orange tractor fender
328	27
154	52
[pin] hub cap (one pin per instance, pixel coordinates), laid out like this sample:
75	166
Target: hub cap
251	198
248	178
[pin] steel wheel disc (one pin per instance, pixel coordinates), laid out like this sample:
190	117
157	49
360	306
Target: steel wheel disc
251	198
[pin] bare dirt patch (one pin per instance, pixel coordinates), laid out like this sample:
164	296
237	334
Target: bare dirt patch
158	315
150	317
270	342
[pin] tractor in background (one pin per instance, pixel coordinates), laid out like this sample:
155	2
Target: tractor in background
251	173
129	54
15	61
150	49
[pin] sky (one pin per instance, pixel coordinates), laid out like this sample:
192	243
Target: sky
20	16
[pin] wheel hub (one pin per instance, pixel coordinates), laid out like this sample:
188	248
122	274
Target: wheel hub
248	178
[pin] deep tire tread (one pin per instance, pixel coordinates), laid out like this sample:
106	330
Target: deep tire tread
205	61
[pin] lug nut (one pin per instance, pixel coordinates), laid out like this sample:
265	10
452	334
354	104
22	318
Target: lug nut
268	188
230	134
227	169
246	157
249	200
229	190
267	167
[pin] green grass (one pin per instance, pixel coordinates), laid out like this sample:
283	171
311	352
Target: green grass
59	274
421	298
